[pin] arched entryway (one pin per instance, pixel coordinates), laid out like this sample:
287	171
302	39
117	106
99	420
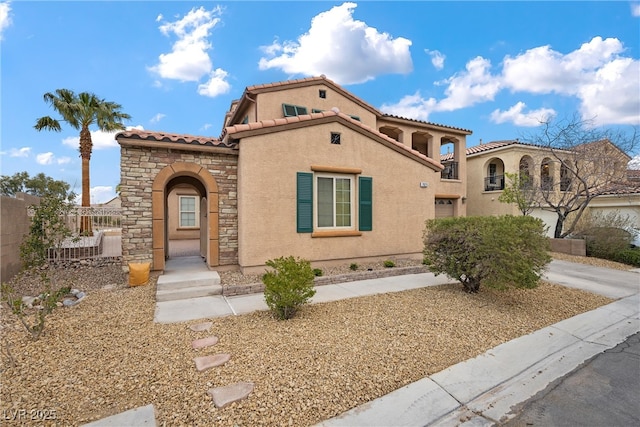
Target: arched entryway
191	175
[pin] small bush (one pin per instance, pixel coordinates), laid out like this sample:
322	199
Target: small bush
33	319
317	272
288	286
353	266
499	252
389	264
629	256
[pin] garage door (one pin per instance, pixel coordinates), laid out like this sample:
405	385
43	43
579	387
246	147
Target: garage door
444	208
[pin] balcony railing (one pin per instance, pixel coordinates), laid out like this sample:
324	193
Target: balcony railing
494	183
450	170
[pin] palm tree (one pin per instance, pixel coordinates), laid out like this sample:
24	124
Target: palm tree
81	111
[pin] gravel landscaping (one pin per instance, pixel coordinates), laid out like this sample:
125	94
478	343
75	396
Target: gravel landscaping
105	355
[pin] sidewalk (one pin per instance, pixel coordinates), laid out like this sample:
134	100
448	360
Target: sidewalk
480	391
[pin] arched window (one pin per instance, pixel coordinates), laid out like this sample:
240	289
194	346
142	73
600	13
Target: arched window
546	175
565	176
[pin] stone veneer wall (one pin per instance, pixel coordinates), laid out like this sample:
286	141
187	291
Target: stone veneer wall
139	167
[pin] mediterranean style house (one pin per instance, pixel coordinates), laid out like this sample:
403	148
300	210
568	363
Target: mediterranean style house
487	164
302	167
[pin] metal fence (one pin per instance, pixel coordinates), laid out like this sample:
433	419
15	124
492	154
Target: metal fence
96	235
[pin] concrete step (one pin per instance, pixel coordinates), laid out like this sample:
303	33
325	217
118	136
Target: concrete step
174	294
188	279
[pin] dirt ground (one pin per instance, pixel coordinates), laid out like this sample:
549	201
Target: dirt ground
106	355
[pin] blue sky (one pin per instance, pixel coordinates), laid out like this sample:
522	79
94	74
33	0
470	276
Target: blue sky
495	68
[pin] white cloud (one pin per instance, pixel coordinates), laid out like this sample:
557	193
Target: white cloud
437	58
206	126
49	158
44	158
5	19
217	84
157	118
100	140
606	84
345	50
413	106
518	117
19	152
635	9
189	59
634	163
101	194
474	85
611	97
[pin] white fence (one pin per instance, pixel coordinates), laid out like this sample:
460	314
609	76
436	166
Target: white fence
100	241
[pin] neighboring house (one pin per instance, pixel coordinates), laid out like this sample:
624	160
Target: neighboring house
302	167
487	164
116	202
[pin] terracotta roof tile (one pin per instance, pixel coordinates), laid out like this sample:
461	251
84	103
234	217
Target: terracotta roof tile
230	130
621	188
147	135
425	122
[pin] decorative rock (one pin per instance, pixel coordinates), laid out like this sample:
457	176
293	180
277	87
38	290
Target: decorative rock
68	302
80	295
28	301
74	292
222	396
205	362
204	342
198	327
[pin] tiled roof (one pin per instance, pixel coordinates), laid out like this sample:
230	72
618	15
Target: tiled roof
428	123
633	174
491	146
146	135
264	124
292	82
621	188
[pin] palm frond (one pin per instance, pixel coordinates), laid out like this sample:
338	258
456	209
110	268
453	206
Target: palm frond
47	123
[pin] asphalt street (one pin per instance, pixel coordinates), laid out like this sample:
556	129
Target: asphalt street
604	391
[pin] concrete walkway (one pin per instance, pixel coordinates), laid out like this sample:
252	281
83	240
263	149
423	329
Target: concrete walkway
480	391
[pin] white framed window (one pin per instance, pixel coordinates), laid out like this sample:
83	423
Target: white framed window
334	202
189	211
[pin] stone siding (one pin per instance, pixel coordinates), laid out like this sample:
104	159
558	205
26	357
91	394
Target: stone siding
138	169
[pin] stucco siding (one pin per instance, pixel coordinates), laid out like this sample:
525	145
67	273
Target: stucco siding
270	103
267	196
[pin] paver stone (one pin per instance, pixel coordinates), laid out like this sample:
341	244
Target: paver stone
205	342
207	362
223	396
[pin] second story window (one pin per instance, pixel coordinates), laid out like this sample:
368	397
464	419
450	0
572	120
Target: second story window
290	110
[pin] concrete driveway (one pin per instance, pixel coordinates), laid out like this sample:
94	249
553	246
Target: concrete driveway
603	281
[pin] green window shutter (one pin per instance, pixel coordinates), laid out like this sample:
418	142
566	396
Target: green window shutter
304	197
365	208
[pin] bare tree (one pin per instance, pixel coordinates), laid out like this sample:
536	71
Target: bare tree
580	162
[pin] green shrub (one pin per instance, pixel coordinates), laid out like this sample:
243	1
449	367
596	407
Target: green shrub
498	252
630	256
605	242
317	272
353	266
288	286
389	264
